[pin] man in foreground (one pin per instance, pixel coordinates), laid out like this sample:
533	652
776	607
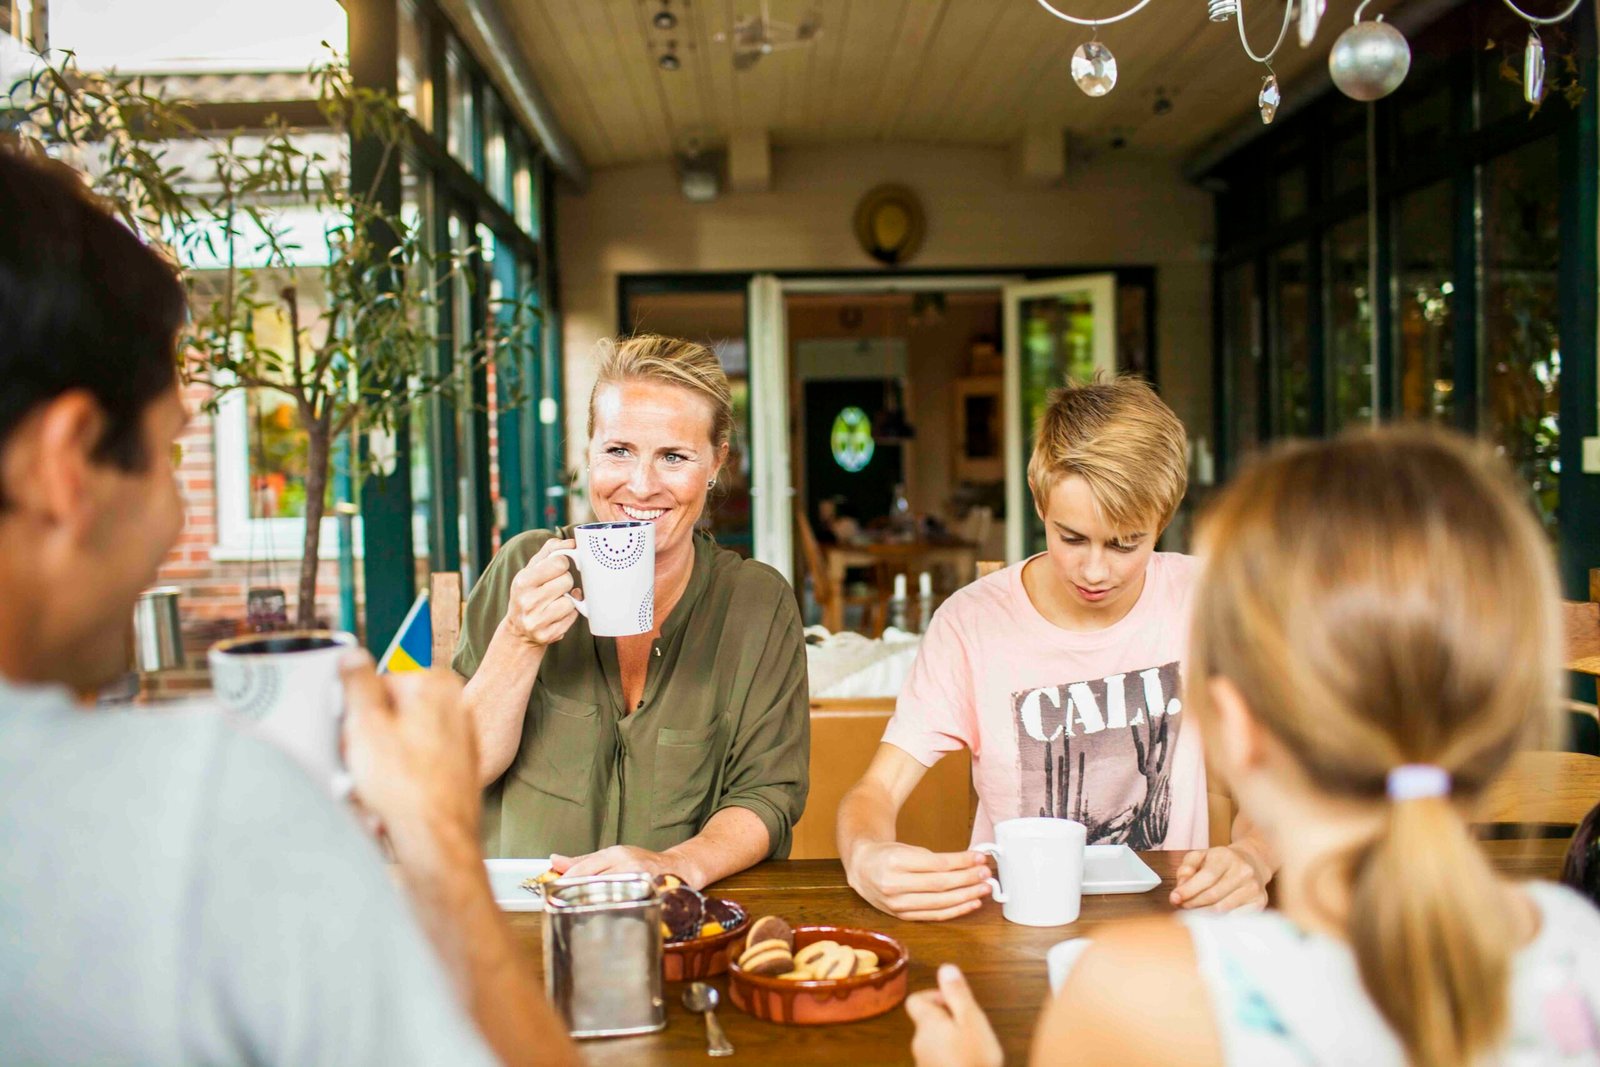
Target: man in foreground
172	890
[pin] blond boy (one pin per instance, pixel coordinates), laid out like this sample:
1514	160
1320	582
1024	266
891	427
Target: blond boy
1061	675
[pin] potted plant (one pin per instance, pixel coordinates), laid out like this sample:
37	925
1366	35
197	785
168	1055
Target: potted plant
358	358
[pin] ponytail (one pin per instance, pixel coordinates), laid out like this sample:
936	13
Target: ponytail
1430	936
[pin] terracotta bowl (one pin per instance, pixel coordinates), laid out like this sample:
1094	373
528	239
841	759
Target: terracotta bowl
703	957
837	1000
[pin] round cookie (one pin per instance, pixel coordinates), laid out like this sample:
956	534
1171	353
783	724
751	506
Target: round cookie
682	913
770	927
838	962
771	961
814	953
725	913
866	961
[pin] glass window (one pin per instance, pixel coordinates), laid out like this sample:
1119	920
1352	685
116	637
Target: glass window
1347	161
1349	324
1424	296
1423	118
415	210
496	156
524	185
461	139
413	82
1521	343
1288	284
1292	190
1241	340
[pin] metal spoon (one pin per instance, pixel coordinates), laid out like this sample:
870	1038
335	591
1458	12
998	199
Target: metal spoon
700	997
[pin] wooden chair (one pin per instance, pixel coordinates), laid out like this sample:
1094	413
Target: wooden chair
987	567
444	614
1580	623
831	596
845	734
1552	788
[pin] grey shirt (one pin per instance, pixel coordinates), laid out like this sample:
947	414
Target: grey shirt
174	891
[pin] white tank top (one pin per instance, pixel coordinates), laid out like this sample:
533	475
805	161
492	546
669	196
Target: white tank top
1283	996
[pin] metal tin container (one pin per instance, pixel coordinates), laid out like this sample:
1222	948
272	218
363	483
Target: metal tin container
157	633
602	954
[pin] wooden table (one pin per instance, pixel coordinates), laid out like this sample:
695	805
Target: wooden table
1005	962
897	557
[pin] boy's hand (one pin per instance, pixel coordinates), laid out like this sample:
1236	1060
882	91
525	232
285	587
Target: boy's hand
952	1030
915	884
1225	878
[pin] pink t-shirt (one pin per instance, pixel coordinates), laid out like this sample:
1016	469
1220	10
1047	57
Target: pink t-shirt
1078	725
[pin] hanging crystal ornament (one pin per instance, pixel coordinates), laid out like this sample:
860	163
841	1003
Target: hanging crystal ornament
1311	12
1269	98
1094	68
1533	68
1370	59
1221	10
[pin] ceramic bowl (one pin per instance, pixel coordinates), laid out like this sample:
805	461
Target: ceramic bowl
837	1000
703	957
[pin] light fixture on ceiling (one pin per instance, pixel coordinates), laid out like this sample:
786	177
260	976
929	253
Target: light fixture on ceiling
699	170
664	19
1163	102
760	35
669	60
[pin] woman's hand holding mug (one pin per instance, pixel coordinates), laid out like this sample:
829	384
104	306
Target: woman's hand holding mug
539	612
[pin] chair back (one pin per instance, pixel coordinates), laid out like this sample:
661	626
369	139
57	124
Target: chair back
821	588
1553	788
987	567
444	614
1580	625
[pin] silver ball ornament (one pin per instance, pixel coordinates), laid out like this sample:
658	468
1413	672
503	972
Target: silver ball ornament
1369	61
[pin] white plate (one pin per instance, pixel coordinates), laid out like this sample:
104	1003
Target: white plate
506	878
1116	869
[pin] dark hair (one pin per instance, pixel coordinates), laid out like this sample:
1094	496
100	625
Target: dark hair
1581	870
83	305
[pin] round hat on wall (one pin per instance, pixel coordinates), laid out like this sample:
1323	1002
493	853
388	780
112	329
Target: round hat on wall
890	224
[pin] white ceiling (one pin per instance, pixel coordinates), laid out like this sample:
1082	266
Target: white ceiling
941	71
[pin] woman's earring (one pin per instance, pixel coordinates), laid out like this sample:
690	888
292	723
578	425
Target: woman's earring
712	484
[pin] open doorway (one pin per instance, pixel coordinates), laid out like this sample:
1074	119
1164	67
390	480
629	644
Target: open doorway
898	415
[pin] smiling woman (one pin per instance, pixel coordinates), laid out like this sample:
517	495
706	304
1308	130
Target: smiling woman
680	750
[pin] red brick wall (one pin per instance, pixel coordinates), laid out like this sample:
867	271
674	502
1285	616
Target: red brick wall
212	604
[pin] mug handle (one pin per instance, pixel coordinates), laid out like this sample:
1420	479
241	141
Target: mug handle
572	554
996	892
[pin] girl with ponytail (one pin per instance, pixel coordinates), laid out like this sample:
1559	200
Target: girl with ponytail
1375	634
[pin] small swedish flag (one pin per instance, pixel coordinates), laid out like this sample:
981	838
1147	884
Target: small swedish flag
412	647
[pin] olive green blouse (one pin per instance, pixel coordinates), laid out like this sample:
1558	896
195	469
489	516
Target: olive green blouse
725	720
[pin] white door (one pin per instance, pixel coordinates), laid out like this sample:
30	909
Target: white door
1055	330
772	518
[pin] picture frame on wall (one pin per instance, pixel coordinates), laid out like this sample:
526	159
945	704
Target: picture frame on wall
980	429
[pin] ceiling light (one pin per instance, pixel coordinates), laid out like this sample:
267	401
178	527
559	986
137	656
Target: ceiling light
669	61
665	20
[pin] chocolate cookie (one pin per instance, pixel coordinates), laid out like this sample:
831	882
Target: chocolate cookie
770	927
724	913
682	913
772	959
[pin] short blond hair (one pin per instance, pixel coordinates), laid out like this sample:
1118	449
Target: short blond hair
1123	440
650	357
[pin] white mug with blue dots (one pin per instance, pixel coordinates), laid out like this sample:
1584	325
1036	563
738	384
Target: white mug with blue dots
618	563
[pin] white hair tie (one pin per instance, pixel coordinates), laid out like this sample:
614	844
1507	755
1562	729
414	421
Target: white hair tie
1418	781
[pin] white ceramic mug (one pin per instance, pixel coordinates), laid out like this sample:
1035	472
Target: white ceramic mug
1041	870
288	685
618	564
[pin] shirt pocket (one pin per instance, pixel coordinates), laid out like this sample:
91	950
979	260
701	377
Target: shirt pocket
685	774
558	752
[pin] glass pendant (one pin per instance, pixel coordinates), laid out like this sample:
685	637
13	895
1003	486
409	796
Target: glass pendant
1533	69
1094	68
1311	12
1268	99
